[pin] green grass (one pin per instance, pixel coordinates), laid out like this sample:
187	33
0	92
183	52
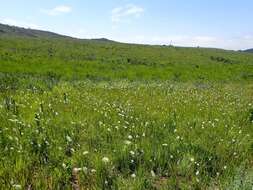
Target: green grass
78	60
124	116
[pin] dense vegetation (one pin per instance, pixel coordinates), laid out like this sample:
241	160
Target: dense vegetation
97	114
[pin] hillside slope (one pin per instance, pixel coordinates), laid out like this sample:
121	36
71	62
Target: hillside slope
249	50
95	114
39	53
24	32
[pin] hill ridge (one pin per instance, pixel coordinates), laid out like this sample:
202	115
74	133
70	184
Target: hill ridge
10	30
249	50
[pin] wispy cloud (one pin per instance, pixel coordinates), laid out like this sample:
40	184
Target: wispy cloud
58	10
125	13
19	23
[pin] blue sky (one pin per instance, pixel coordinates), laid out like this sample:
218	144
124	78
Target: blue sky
208	23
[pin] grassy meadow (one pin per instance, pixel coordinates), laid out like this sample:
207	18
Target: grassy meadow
80	114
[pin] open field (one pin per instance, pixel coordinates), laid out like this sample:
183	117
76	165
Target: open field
124	116
71	59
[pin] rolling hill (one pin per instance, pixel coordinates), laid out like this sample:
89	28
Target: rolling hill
96	114
14	31
7	30
249	50
41	53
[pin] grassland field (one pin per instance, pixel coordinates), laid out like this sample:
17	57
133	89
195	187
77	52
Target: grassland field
105	115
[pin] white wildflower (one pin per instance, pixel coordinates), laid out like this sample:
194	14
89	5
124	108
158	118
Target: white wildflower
130	137
127	142
76	170
85	153
132	153
68	138
152	173
105	160
16	186
85	170
93	171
